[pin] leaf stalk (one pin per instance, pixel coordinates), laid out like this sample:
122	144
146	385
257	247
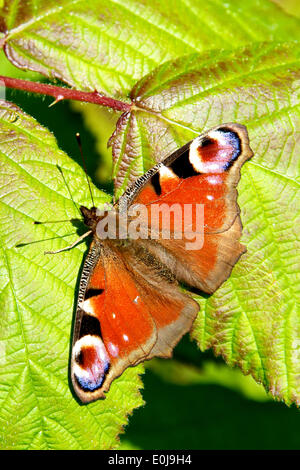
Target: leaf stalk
61	93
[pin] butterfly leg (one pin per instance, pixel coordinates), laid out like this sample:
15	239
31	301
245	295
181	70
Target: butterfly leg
70	246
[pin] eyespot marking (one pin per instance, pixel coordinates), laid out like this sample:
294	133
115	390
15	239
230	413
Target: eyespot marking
182	166
235	141
206	141
90	362
216	152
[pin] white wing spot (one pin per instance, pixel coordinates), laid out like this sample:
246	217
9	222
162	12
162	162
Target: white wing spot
87	307
166	173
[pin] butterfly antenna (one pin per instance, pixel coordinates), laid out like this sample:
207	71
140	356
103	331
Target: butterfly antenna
84	166
38	222
19	245
68	188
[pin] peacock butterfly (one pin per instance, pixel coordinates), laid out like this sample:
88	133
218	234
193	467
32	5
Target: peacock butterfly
130	305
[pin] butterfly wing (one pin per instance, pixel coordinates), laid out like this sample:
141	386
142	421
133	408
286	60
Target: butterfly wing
203	173
130	309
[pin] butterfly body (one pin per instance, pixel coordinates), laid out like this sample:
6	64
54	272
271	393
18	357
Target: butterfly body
130	304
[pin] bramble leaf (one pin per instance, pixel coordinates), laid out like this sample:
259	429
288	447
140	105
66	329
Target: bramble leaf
37	299
252	320
254	86
108	45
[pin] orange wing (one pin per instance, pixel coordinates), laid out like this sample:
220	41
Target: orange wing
130	309
205	172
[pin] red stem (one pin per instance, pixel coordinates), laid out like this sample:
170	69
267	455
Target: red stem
61	93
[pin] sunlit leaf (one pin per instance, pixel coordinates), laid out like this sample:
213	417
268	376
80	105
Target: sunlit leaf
109	45
38	409
252	320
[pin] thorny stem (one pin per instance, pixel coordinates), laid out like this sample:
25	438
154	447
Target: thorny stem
61	93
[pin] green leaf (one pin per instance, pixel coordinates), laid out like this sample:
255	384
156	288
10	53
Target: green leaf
109	45
181	98
9	70
38	409
252	320
290	6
